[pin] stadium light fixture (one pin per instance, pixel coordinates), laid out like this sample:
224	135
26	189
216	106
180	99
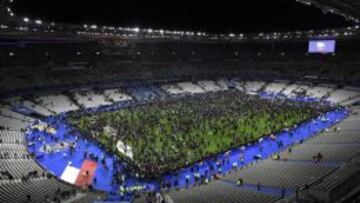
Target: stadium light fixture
26	20
4	26
39	22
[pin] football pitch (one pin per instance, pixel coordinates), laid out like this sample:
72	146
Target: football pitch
167	135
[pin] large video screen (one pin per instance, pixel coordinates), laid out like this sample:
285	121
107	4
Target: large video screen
322	46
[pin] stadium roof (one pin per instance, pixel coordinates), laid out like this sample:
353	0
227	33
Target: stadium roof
350	7
347	7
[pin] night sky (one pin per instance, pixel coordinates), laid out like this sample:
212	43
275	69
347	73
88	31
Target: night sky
221	16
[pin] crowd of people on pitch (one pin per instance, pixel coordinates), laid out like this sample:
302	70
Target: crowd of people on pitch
168	135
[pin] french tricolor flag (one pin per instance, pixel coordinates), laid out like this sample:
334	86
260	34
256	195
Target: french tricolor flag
82	177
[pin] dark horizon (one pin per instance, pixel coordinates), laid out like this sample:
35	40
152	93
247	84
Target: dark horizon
252	16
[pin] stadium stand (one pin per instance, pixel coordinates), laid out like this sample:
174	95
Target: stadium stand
91	99
34	190
218	191
275	87
116	95
21	178
142	93
56	103
209	86
11	137
254	86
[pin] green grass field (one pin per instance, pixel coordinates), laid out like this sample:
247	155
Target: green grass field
168	135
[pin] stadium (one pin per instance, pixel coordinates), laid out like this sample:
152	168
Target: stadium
99	113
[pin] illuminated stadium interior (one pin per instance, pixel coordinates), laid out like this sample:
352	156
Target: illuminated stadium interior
178	103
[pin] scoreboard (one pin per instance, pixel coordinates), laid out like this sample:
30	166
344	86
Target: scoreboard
322	46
